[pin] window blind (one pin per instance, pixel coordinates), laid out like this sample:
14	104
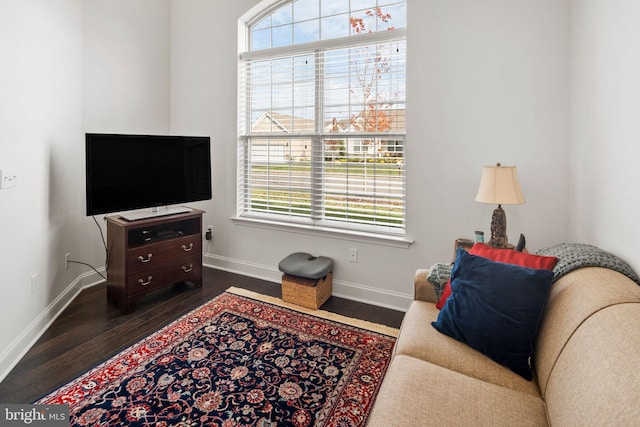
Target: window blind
322	133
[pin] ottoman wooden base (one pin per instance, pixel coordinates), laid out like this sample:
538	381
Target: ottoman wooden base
310	293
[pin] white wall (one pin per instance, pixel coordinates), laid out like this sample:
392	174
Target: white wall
487	82
68	66
605	126
126	66
40	132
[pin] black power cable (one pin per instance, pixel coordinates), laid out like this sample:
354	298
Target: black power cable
106	254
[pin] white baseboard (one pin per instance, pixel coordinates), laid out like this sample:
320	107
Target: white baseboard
11	355
342	289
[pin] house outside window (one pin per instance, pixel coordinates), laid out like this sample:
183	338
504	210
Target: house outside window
322	115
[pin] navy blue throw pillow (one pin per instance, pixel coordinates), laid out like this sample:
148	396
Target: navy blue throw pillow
495	308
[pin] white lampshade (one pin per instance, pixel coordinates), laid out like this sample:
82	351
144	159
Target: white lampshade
499	185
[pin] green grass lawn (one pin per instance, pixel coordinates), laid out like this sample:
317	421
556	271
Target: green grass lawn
388	212
382	169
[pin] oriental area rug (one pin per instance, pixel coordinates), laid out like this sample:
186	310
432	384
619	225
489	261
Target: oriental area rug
241	359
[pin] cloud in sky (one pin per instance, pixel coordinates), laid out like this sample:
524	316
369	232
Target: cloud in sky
305	21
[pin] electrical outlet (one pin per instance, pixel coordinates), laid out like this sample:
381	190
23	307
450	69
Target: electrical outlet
353	255
209	234
8	178
66	260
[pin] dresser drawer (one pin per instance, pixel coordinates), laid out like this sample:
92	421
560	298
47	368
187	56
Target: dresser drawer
151	253
185	269
155	254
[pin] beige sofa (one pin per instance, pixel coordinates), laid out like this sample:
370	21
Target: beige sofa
586	364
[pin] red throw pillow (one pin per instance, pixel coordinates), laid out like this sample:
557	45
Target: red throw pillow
508	256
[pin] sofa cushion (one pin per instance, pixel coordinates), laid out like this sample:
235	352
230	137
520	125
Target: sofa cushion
596	380
495	308
504	255
418	339
418	393
574	298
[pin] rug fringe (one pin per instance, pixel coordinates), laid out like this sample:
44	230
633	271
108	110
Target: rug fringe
327	315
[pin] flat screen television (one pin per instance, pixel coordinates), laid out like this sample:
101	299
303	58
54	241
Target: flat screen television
130	172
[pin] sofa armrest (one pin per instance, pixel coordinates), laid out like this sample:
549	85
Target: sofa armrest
423	289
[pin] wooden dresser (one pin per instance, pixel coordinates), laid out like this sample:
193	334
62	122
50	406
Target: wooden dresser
152	253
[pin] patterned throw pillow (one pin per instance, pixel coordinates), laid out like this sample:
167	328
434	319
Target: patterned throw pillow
439	275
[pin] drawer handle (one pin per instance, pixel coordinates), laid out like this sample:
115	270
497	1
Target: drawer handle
187	269
143	283
142	259
187	249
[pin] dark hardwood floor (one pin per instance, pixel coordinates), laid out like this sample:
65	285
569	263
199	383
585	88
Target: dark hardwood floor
90	329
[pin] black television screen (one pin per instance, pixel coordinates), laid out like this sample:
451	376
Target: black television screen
128	172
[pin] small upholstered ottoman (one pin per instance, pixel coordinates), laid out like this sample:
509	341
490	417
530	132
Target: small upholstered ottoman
307	280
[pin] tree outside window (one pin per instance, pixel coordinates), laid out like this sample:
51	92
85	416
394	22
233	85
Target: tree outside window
344	104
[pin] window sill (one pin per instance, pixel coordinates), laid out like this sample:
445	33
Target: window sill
356	236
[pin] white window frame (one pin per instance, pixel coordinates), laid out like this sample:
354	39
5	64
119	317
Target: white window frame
314	221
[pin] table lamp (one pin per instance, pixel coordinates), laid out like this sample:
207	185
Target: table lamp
499	185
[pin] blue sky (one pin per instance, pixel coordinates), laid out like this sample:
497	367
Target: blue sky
288	85
305	21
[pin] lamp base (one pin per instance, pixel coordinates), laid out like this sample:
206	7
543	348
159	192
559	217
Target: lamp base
498	228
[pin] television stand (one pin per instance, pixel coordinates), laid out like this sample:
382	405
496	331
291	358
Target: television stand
152	253
155	212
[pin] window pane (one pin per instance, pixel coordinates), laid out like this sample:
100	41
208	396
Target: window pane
371	20
333	7
304	82
261	39
264	23
363	4
364	182
398	14
306	9
305	32
303	93
336	120
282	36
334	26
282	96
303	120
365	85
280	176
284	15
